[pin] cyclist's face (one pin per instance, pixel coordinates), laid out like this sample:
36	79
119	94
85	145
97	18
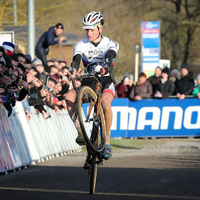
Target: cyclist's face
92	34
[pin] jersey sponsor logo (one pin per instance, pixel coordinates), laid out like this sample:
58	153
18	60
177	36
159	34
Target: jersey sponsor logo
156	118
95	52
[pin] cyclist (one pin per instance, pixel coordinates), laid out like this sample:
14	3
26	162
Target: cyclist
95	48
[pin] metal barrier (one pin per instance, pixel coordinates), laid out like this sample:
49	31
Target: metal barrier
24	142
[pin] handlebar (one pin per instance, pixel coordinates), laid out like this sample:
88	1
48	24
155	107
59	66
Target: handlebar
91	75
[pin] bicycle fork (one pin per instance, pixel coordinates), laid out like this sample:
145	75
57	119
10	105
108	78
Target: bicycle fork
95	118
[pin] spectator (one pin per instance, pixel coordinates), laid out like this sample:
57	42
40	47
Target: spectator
59	98
1	67
165	86
142	89
39	66
12	78
14	61
11	90
47	39
62	63
8	62
50	62
53	70
184	86
57	64
21	68
21	58
9	48
65	71
124	87
174	75
155	79
37	93
27	66
28	56
196	91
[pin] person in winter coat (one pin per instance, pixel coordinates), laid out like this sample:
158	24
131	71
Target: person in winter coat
155	79
165	86
124	87
142	89
47	39
184	86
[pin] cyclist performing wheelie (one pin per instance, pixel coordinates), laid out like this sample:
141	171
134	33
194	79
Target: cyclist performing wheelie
94	50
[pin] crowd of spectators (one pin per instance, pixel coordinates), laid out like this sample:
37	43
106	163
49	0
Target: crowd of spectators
34	84
161	85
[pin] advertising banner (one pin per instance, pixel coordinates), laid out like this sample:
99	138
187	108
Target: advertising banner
156	118
150	36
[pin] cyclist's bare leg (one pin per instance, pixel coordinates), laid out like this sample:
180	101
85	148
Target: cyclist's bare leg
107	99
70	99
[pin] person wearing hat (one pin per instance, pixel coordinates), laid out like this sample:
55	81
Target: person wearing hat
124	87
196	91
40	67
9	47
165	86
184	85
47	39
62	63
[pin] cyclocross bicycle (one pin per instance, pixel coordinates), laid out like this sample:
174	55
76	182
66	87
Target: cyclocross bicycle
92	120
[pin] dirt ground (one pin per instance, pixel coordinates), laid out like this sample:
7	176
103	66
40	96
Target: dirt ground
170	170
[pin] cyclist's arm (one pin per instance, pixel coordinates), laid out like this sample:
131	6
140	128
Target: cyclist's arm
109	57
76	62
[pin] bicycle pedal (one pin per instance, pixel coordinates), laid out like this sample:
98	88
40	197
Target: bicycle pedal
86	166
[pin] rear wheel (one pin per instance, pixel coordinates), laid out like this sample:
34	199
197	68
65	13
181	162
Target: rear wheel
92	125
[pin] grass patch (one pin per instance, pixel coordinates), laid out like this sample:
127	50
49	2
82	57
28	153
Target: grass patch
128	144
117	144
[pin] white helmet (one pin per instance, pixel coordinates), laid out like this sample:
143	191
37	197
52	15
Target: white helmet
93	20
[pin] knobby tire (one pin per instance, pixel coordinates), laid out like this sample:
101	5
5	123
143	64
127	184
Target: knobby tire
87	91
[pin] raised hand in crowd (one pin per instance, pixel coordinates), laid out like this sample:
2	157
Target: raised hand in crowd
23	84
1	96
44	93
4	80
45	115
